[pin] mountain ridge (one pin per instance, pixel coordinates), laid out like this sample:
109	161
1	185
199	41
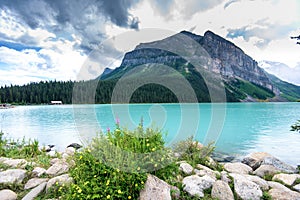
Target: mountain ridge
238	70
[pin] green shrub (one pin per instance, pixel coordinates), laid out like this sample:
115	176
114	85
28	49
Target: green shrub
190	152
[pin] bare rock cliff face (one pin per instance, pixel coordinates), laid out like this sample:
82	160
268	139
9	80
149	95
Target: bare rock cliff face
225	58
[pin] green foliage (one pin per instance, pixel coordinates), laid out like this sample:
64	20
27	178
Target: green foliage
296	126
192	153
266	196
268	177
251	89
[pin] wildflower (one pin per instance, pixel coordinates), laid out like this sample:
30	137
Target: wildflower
80	157
117	121
153	149
138	168
108	129
119	191
155	165
129	197
95	176
142	182
147	144
108	197
136	185
107	183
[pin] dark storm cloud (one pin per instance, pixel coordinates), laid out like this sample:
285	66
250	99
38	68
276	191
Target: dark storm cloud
81	17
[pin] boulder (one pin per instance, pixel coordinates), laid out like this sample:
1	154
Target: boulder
55	160
15	163
38	171
221	191
287	179
254	159
225	177
8	195
297	187
194	185
238	168
264	170
70	151
206	171
156	189
58	168
35	192
62	179
278	194
279	165
246	189
276	185
263	184
11	176
31	183
186	168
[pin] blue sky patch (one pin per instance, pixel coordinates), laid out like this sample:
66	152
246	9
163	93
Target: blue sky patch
17	46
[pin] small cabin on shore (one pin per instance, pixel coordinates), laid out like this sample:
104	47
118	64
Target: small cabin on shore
56	103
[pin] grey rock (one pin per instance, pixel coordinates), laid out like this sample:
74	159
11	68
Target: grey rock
55	160
156	189
276	185
8	195
246	189
254	159
12	176
283	167
263	184
238	168
15	163
206	171
31	183
38	171
278	194
225	177
62	179
287	179
194	185
186	168
58	168
70	151
264	170
297	187
221	191
35	192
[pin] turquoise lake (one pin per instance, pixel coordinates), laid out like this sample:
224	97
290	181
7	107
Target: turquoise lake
237	128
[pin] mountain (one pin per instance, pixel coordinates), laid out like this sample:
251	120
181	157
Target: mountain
105	72
282	71
193	56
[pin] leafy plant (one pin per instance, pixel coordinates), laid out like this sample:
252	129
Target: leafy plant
190	151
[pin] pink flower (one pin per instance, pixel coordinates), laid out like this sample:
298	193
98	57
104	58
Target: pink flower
117	121
108	129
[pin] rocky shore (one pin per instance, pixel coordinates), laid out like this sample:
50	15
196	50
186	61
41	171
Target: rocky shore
257	176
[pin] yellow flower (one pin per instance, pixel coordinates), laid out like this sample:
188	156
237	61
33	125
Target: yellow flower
147	144
155	165
107	183
136	185
80	157
108	197
95	176
119	191
129	197
138	168
153	149
142	182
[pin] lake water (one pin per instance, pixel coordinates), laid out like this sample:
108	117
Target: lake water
237	128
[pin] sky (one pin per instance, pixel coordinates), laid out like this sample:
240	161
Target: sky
54	39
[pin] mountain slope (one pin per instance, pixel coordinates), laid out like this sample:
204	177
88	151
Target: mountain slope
220	61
